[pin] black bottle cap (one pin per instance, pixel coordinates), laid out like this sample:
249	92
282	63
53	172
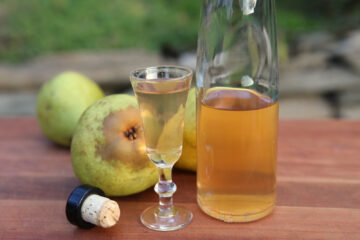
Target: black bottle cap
75	201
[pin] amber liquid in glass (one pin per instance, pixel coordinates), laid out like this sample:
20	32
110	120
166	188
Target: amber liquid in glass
237	151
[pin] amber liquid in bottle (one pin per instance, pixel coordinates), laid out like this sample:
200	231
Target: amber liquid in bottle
237	151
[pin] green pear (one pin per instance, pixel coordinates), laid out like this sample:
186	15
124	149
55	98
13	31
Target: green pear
108	148
187	160
60	103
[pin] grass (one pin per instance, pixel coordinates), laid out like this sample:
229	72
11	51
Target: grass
32	27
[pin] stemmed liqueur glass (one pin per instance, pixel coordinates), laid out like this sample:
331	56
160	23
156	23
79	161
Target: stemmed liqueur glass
162	93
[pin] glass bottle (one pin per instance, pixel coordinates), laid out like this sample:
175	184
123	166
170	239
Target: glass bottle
237	109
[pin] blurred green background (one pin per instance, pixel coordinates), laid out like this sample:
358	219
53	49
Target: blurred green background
319	48
34	27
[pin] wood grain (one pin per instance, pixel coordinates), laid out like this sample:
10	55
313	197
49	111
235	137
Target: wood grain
318	189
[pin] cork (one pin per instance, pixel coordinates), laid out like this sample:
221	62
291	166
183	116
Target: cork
100	211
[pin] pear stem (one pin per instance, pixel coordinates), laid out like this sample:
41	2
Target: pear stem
165	188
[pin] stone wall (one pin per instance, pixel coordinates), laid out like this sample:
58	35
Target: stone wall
323	77
320	80
20	83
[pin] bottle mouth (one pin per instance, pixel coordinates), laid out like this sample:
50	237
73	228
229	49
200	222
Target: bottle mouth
248	7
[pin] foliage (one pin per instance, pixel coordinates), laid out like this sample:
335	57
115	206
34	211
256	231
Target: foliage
33	27
337	16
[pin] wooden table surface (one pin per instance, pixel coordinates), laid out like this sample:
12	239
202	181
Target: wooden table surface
318	189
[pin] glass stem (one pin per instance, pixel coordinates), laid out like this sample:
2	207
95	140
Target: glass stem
165	188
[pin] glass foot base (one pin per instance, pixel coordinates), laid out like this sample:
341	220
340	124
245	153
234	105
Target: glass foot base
179	218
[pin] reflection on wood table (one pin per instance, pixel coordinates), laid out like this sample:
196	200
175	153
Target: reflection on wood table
318	189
